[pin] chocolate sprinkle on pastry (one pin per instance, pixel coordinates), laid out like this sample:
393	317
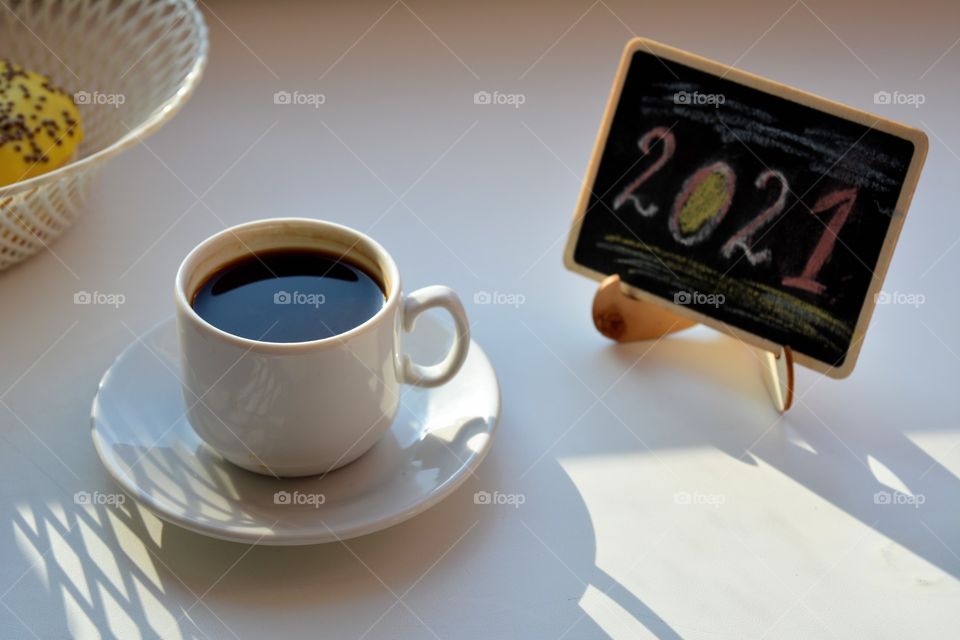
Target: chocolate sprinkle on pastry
47	142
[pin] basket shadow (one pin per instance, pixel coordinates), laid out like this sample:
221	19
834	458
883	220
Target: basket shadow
155	569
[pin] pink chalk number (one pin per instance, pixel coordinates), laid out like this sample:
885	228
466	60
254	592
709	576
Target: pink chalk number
690	187
743	239
841	201
646	144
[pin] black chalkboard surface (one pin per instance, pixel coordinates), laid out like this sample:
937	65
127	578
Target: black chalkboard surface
758	209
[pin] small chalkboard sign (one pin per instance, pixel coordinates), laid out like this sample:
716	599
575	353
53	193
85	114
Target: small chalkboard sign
752	207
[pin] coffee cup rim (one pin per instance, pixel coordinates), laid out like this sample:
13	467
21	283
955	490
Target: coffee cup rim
389	276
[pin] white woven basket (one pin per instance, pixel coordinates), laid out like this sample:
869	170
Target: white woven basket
130	64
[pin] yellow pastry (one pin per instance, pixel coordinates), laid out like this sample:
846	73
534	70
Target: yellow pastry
39	125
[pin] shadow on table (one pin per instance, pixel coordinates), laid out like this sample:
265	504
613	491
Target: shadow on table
374	586
132	594
111	568
167	582
857	466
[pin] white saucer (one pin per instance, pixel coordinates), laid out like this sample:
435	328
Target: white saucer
145	442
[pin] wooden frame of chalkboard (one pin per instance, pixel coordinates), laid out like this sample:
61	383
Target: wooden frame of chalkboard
755	208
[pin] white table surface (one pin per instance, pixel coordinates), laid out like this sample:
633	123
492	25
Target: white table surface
783	537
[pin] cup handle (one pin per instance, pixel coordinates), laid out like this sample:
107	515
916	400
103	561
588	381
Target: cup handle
413	305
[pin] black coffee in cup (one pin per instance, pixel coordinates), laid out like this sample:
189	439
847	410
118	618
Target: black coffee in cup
289	295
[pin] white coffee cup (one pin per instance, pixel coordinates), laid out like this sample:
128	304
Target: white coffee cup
303	408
